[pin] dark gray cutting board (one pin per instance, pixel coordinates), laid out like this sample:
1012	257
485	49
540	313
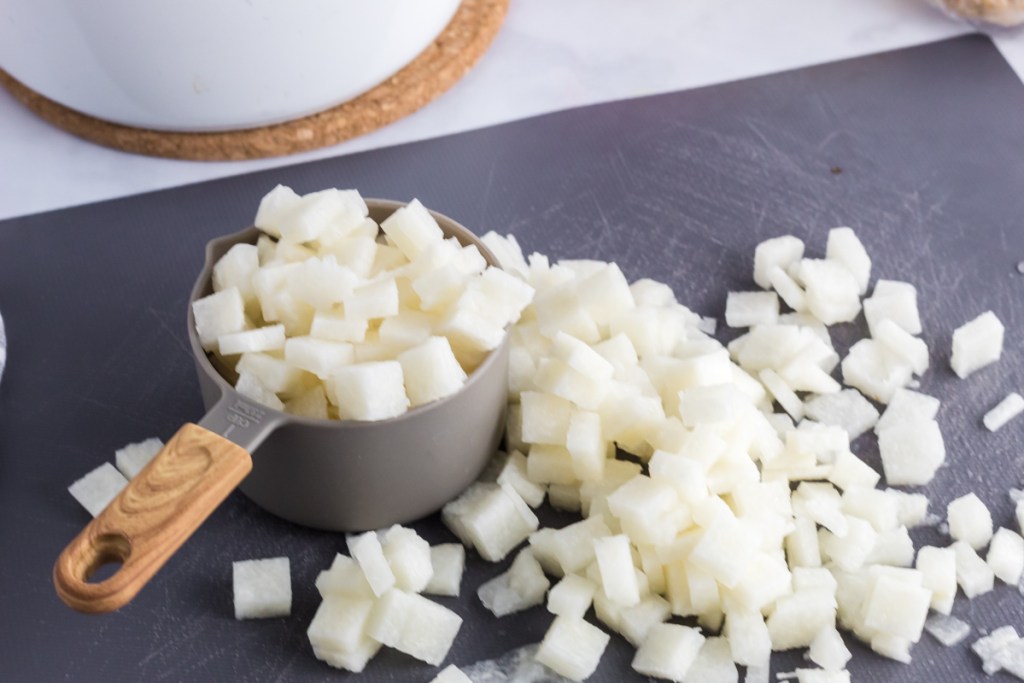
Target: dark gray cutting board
920	150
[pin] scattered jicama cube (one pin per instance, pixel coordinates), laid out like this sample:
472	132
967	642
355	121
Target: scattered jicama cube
832	290
976	343
338	632
572	647
988	647
366	549
668	651
939	575
906	405
972	573
522	586
414	625
1007	409
947	630
912	451
847	409
447	561
318	356
572	596
844	246
451	674
492	518
132	458
409	557
1006	556
969	521
96	489
746	309
779	252
828	650
895	301
262	588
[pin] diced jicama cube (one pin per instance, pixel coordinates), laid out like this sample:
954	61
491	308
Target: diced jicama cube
338	632
332	327
407	329
969	521
876	372
132	458
893	547
545	418
447	561
573	545
634	623
745	309
850	551
911	452
907	405
274	373
374	300
368	391
251	386
414	625
344	577
723	548
946	629
976	344
844	246
938	574
572	647
514	474
1009	408
320	357
615	561
1006	556
508	252
713	663
847	409
833	293
522	586
236	269
989	647
451	674
781	392
912	508
469	332
974	576
492	518
317	212
96	489
779	252
828	650
321	282
262	588
799	617
668	651
431	371
586	445
274	207
873	505
897	608
908	348
366	549
787	288
550	465
1011	658
848	471
408	555
748	638
311	404
218	314
412	229
572	596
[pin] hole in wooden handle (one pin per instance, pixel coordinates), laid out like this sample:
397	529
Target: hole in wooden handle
108	549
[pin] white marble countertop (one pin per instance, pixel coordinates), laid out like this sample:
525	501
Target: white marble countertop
549	55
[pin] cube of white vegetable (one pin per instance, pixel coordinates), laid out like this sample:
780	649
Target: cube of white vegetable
572	647
938	574
374	300
447	561
572	596
96	489
1009	408
615	561
521	587
850	551
947	630
321	282
408	555
844	246
974	576
470	331
847	409
875	371
251	386
908	348
236	269
1006	556
414	625
748	637
545	418
274	373
274	206
366	549
332	327
315	213
849	471
311	404
132	458
912	451
781	392
833	293
218	314
451	674
368	391
969	521
412	229
514	474
431	371
828	650
787	288
990	646
573	545
262	588
907	405
344	578
586	445
778	252
977	343
338	632
799	617
897	608
912	508
895	301
668	651
636	622
647	510
492	518
713	663
320	357
745	309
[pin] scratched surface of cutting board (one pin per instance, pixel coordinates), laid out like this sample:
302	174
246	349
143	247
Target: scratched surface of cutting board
919	150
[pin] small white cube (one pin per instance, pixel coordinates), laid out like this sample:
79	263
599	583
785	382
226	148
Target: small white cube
572	596
412	229
844	246
668	651
132	458
1006	556
431	371
912	452
972	573
779	252
318	356
833	293
218	314
1009	408
746	309
414	625
572	647
408	555
895	301
369	391
969	521
847	409
938	574
448	561
615	560
521	587
97	488
451	674
976	344
262	588
367	550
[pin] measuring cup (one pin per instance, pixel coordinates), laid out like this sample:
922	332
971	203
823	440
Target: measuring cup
327	474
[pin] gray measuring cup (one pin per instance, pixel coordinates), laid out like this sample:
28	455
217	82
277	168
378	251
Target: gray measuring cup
328	474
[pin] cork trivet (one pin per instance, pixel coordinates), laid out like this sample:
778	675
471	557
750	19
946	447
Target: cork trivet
452	54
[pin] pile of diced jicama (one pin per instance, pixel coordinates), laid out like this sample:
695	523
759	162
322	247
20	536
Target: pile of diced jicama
396	314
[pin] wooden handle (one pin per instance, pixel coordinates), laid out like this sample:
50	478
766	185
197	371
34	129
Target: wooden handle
150	519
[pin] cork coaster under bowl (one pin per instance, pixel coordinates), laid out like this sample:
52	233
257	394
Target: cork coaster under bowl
452	54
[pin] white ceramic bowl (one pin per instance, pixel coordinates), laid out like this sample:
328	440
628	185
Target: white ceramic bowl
206	65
